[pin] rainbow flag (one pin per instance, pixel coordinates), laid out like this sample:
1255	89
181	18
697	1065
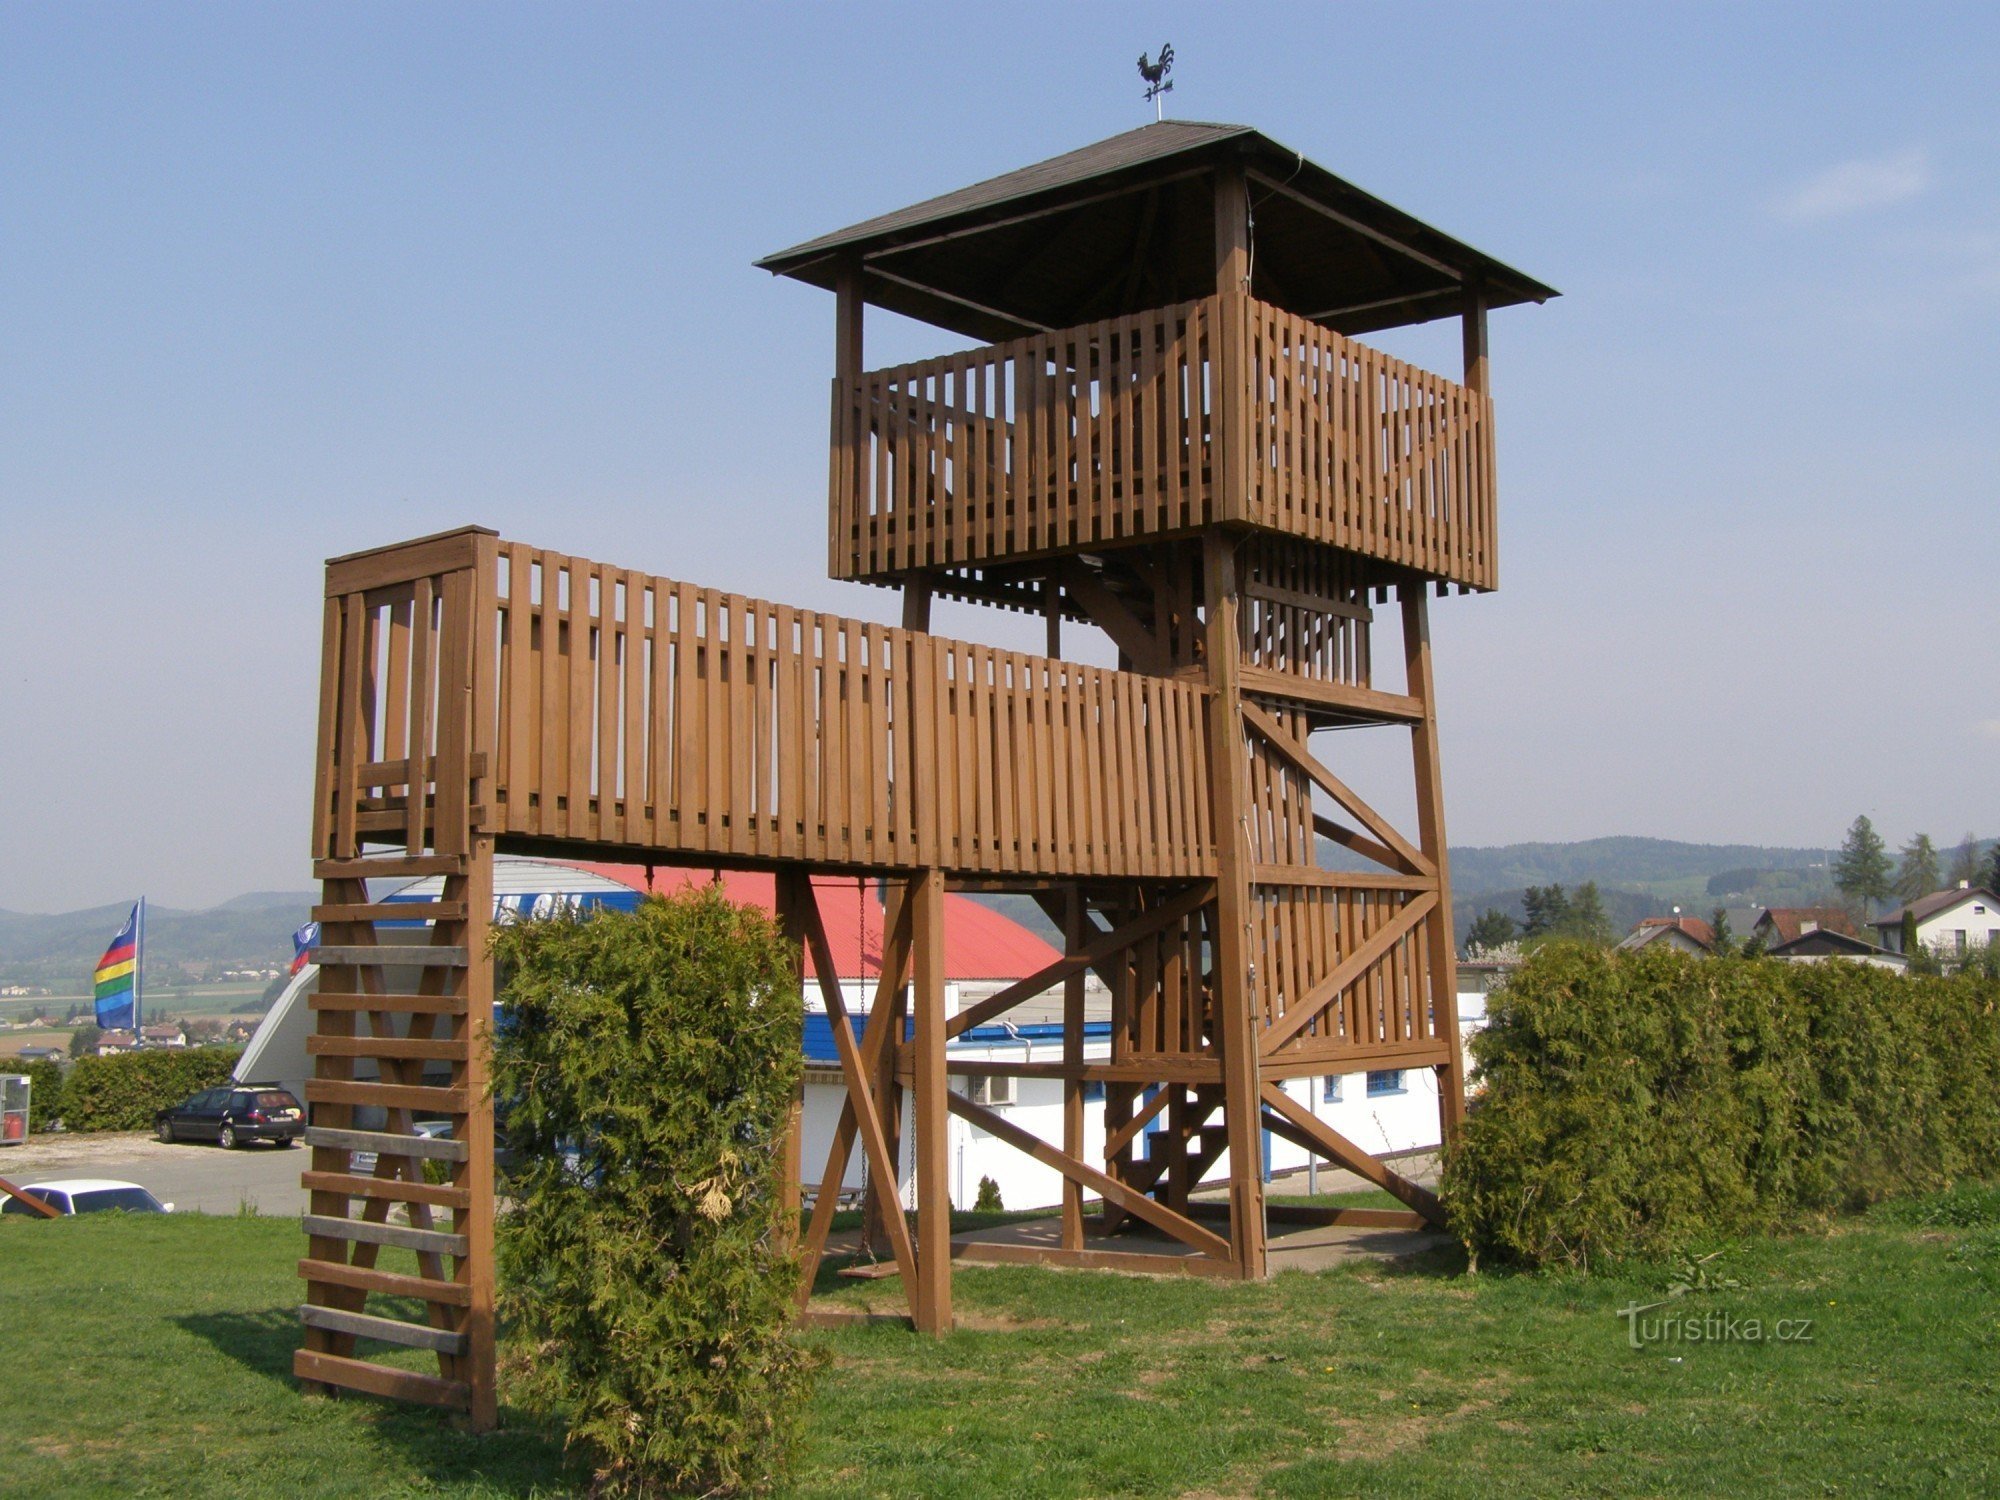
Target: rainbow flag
117	977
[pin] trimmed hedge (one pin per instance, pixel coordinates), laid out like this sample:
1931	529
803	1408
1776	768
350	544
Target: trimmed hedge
648	1066
124	1092
1636	1104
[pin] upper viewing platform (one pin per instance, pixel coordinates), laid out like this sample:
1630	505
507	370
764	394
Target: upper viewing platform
1174	310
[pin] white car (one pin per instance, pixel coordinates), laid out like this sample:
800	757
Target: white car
87	1195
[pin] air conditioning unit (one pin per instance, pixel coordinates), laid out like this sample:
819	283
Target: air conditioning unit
989	1090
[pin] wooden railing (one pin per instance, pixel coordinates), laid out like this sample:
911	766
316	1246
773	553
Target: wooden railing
635	713
1368	453
1135	426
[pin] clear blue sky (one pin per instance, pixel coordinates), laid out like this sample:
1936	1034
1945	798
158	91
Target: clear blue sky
278	282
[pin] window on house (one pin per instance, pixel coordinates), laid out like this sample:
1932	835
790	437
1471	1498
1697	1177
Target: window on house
1958	940
1329	1089
1388	1081
1093	1093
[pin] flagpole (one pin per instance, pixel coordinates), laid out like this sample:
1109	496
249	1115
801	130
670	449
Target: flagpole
139	975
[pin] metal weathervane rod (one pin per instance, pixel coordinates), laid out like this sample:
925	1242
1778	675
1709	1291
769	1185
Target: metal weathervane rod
1157	82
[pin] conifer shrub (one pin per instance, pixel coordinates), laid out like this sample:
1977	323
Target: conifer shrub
988	1199
644	1072
1637	1104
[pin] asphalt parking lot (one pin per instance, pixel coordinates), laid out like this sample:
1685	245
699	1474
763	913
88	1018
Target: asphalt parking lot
195	1179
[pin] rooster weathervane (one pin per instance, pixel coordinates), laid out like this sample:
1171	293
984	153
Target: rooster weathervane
1155	74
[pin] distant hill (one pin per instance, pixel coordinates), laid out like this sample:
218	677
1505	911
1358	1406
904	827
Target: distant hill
57	951
1638	877
258	900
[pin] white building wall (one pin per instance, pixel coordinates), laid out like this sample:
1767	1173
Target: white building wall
1384	1124
1976	917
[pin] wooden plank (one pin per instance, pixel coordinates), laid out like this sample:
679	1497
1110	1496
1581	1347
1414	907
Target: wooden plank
382	1330
1343	880
1128	1262
35	1205
390	955
1314	1134
380	1380
404	562
427	1049
388	867
392	911
424	1241
391	1189
1360	703
443	1101
393	1004
389	1283
387	1143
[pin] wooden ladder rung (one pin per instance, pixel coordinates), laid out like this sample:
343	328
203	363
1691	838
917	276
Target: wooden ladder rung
393	911
388	1095
390	1189
387	1143
423	1241
390	1283
382	1330
389	867
380	1380
412	1005
391	955
426	1049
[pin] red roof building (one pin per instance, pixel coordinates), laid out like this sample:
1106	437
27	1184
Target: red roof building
979	943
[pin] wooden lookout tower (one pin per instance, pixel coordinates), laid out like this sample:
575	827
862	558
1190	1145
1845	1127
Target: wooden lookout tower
1174	439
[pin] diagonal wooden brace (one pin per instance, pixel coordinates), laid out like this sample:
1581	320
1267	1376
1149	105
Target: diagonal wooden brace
1303	1128
1109	1188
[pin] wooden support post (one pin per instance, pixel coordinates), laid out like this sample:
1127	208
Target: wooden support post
1474	321
475	1220
1073	944
849	424
794	891
932	1118
884	1197
1237	1028
1441	950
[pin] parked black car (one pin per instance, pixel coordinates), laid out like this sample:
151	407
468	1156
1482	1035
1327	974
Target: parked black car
234	1116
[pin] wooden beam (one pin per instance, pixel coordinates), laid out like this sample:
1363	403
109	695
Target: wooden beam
1127	1262
1174	909
1287	745
1361	844
860	1093
1442	950
1342	697
1108	1188
1314	1134
929	1100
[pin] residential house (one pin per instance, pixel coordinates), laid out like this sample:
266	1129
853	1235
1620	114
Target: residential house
164	1034
1823	943
1947	922
1784	924
113	1043
1679	933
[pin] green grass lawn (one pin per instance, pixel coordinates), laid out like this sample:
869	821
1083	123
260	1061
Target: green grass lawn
152	1356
